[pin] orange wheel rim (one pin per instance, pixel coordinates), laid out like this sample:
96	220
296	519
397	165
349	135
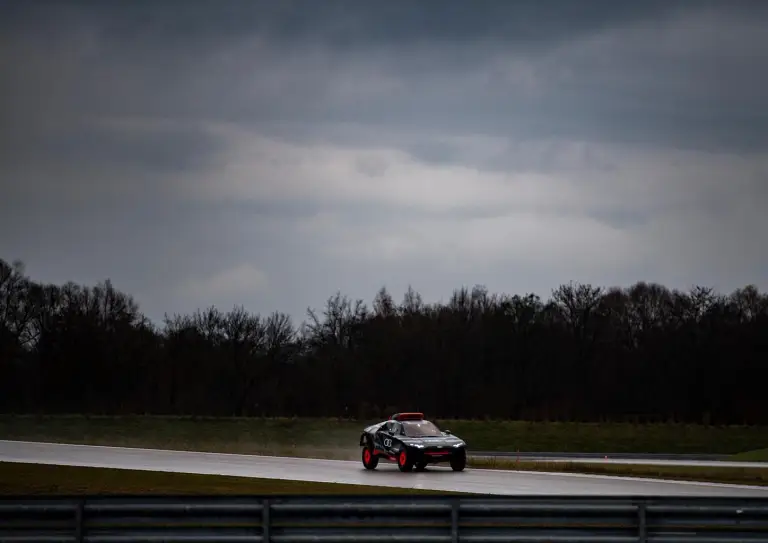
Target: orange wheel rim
402	458
367	455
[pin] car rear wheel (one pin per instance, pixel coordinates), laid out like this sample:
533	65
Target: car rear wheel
459	461
370	460
403	461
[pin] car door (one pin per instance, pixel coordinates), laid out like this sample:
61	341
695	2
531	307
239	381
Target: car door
384	437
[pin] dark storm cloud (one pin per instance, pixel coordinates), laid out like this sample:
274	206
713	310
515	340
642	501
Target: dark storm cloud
282	61
349	23
162	149
107	109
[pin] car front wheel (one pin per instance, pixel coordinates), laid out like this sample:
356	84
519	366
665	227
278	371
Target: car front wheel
459	461
370	460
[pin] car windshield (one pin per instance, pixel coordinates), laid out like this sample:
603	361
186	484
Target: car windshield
421	428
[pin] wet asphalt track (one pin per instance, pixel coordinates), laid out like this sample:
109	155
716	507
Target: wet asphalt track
335	471
636	460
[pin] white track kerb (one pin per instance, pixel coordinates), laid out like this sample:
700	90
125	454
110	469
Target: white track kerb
352	472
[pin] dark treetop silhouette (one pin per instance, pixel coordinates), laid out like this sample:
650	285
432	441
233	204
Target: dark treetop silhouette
588	353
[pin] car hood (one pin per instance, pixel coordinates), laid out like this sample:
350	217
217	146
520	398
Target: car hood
445	441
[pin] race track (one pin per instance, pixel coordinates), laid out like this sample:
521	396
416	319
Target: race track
335	471
635	460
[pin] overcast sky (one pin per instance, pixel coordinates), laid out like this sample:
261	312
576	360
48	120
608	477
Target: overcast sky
270	153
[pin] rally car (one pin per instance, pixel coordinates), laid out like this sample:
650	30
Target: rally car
410	440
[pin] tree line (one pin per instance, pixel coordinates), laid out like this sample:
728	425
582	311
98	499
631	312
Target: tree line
641	353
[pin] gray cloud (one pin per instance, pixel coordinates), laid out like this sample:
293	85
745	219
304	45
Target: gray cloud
350	23
272	153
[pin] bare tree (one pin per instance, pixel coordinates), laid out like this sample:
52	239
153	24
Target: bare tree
587	352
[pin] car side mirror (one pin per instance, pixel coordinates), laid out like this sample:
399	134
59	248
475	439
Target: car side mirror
448	432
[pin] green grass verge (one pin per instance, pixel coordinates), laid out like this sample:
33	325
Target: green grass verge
609	437
47	480
760	455
708	474
333	438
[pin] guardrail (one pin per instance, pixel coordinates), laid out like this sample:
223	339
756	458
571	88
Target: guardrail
300	519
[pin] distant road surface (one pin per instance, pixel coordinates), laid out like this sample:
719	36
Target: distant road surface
336	471
650	459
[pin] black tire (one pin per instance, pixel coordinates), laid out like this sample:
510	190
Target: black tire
404	462
420	466
459	461
370	460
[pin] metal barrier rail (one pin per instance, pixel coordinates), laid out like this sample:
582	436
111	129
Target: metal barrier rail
450	519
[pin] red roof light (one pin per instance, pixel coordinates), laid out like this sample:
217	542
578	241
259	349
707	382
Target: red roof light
407	416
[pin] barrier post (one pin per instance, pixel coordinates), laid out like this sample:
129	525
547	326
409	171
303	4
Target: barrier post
266	538
79	521
641	524
455	521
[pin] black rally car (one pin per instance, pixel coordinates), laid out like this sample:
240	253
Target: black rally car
410	440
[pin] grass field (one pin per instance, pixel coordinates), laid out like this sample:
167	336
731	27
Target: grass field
332	438
37	479
760	455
